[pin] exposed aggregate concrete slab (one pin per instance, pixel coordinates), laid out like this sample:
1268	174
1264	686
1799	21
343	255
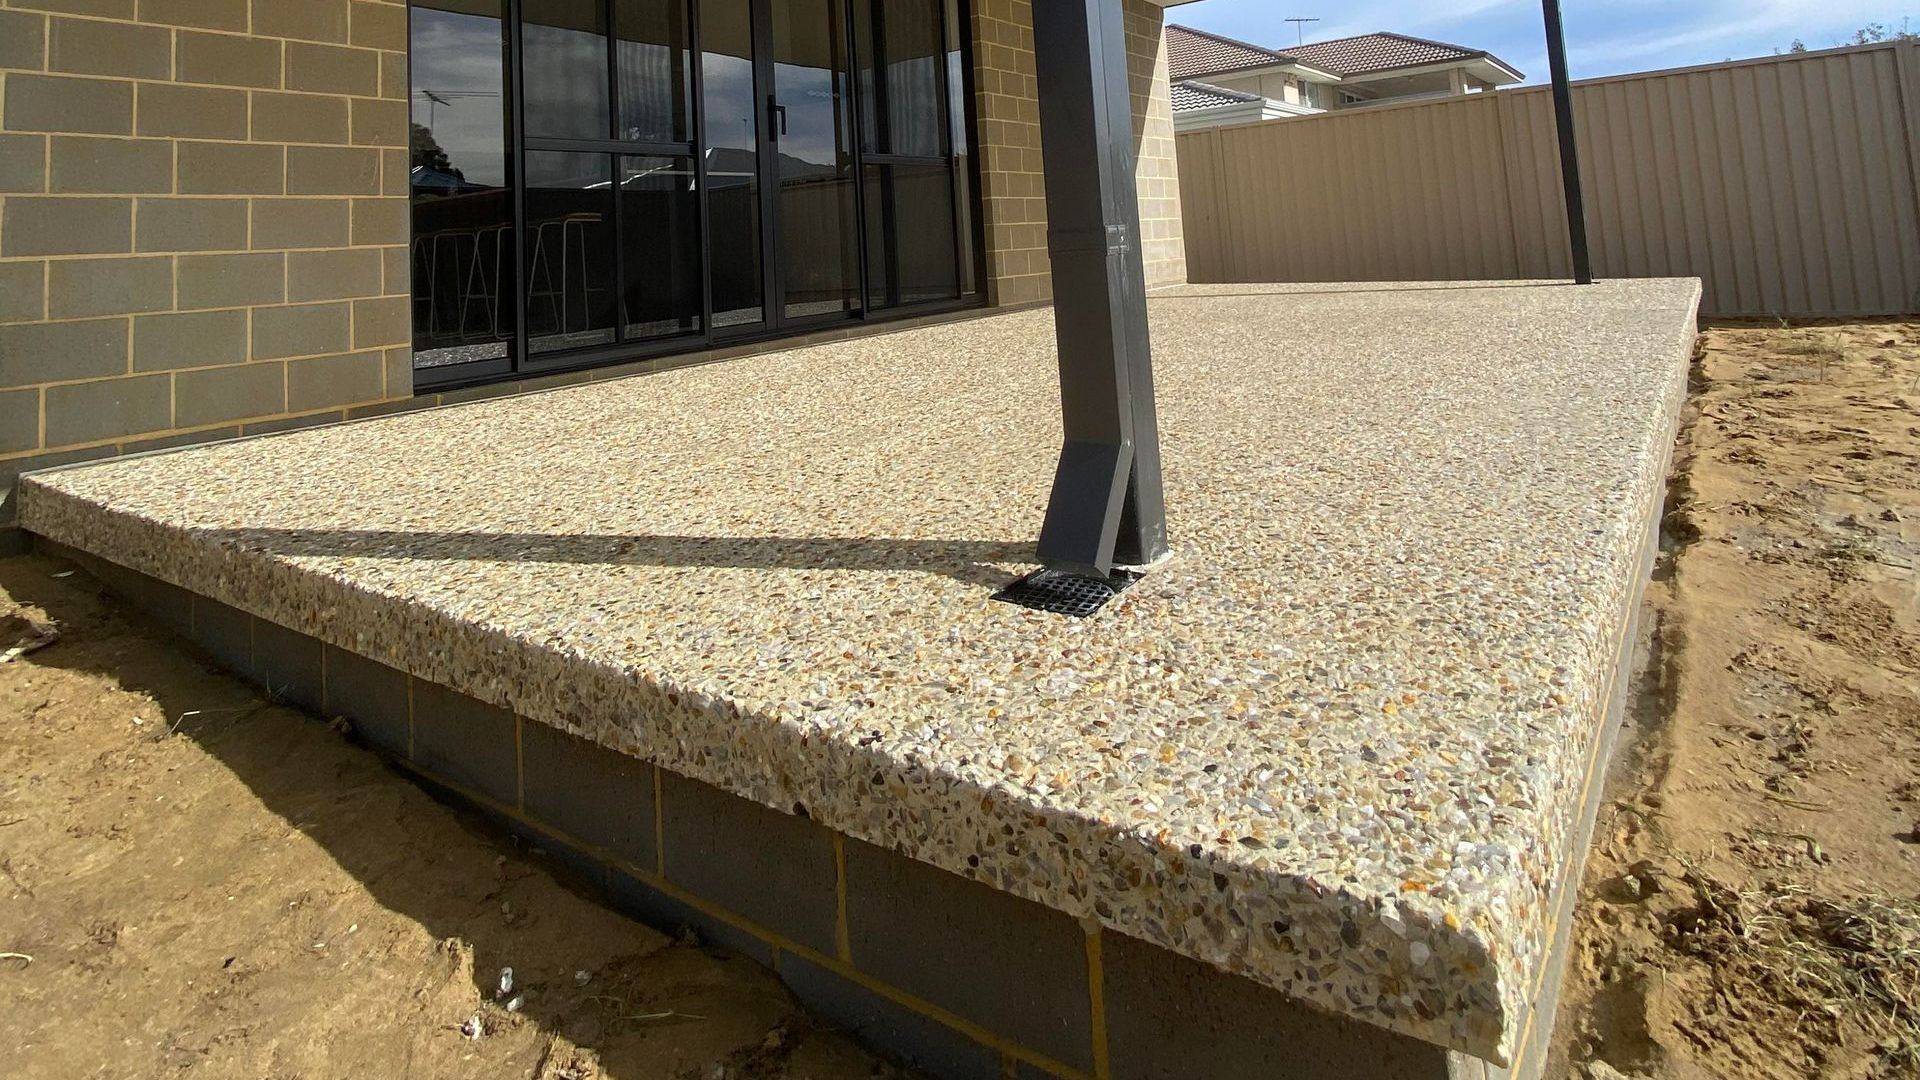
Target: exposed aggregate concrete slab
1338	744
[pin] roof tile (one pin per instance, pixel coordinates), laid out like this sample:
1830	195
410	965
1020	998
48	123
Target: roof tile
1191	95
1367	53
1193	53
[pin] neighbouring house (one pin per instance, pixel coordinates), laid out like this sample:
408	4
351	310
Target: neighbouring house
224	218
1220	80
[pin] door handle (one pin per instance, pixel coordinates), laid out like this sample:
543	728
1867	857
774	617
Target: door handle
776	116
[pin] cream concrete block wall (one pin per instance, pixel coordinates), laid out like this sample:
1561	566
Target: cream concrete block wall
1156	170
203	221
1013	196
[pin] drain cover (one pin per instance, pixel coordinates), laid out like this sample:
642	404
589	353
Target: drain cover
1061	593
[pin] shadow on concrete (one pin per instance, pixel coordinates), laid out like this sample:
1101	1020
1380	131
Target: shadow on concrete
1305	289
651	1009
972	562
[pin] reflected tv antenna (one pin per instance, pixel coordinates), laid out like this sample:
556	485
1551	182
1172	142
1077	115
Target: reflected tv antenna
1300	29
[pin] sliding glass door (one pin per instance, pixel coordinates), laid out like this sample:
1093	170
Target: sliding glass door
733	121
463	174
611	229
596	180
913	118
813	103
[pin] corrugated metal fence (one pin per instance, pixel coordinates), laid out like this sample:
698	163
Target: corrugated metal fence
1790	184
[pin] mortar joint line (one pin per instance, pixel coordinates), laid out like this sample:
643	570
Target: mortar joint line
1097	1006
777	943
659	824
842	935
519	764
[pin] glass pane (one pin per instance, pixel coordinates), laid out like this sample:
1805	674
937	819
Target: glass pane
564	51
462	253
910	252
570	255
655	80
660	220
820	269
902	108
733	161
962	148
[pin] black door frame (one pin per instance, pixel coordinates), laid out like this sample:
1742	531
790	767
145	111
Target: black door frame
774	325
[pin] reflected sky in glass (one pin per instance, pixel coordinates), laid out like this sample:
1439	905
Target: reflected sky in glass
457	59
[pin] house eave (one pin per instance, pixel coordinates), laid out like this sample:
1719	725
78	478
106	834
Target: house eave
1238	112
1304	71
1487	68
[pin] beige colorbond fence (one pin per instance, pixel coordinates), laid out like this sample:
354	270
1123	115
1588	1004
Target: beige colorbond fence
1790	184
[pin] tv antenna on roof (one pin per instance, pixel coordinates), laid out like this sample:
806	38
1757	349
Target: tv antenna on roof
1300	28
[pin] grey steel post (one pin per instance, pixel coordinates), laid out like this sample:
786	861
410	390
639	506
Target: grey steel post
1107	507
1569	146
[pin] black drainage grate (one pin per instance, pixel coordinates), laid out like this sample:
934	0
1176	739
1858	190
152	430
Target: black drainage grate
1066	594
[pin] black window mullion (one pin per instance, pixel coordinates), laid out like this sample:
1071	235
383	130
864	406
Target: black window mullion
857	147
615	121
612	146
907	159
970	118
945	78
619	249
697	131
946	138
517	173
882	91
767	161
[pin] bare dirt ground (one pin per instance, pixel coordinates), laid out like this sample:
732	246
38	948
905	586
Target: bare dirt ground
195	882
1752	903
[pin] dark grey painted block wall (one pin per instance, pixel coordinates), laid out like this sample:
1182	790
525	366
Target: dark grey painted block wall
946	974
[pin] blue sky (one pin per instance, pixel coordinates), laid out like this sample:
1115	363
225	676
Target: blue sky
1602	38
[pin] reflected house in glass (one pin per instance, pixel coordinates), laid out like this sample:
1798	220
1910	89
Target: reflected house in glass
596	181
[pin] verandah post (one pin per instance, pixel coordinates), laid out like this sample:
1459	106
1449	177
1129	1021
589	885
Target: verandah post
1569	145
1107	507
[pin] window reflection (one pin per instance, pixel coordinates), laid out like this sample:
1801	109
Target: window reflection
660	226
901	70
655	77
461	253
812	73
960	147
571	299
910	245
733	161
851	111
563	46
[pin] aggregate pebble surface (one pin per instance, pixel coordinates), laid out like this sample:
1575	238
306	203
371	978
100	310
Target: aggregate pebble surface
1337	744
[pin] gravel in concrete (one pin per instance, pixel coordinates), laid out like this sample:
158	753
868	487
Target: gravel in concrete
1338	744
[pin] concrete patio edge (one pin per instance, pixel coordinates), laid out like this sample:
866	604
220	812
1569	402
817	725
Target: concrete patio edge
793	769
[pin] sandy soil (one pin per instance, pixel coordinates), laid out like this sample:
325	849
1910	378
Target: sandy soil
252	896
1752	904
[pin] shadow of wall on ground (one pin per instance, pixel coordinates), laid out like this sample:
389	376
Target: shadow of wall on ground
652	1008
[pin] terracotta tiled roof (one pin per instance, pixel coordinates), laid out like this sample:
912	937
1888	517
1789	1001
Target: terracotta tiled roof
1368	53
1195	53
1191	95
